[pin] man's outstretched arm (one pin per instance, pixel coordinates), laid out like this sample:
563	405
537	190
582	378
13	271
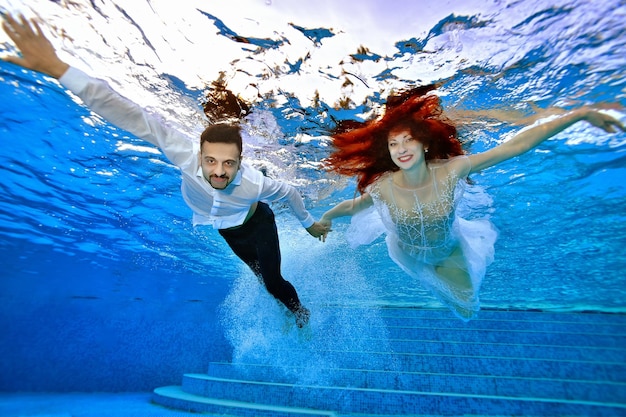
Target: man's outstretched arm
38	54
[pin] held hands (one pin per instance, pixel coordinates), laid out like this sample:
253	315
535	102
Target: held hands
319	230
37	53
327	223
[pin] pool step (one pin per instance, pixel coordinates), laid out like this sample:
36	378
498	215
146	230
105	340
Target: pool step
504	367
548	388
503	363
176	397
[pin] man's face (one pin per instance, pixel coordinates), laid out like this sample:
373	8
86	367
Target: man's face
220	163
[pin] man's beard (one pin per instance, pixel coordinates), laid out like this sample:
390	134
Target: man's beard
221	184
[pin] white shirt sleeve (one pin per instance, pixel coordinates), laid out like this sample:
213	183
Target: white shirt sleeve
275	191
123	113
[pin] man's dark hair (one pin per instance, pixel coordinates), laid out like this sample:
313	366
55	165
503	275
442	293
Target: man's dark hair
222	133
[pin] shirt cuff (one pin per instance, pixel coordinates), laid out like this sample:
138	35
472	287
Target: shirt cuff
74	79
308	222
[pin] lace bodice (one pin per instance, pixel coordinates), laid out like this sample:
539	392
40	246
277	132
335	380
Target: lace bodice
422	218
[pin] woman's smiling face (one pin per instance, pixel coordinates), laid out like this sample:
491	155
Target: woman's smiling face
404	149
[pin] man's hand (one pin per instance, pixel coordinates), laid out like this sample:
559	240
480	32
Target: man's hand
37	53
318	230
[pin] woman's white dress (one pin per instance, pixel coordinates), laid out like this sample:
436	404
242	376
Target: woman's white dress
423	229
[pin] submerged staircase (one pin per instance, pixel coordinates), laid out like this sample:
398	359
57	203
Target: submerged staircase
503	363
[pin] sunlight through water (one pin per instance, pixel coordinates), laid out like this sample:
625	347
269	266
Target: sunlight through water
100	194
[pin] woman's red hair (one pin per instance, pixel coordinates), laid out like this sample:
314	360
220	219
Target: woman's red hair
361	147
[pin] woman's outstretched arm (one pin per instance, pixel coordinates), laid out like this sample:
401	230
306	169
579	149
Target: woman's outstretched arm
531	137
345	208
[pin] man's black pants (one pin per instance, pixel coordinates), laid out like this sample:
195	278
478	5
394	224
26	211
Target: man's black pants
256	243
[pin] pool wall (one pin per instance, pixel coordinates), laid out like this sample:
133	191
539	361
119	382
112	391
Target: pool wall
60	334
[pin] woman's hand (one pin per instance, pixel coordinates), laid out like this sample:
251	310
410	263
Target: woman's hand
602	120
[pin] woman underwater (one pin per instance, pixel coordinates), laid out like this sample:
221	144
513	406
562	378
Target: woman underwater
411	170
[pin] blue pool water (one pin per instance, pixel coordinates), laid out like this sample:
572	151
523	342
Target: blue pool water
105	284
